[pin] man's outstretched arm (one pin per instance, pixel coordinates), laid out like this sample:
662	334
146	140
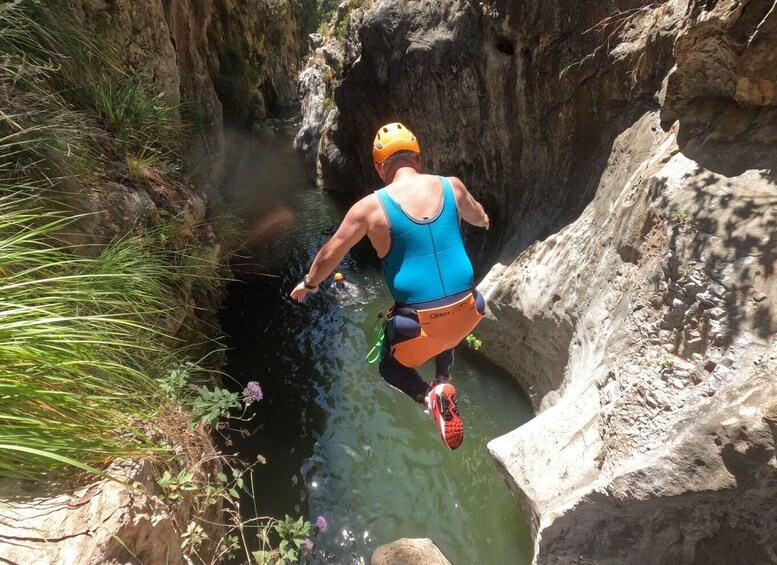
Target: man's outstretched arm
350	232
470	210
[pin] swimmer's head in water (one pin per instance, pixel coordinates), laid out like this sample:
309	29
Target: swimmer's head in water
339	277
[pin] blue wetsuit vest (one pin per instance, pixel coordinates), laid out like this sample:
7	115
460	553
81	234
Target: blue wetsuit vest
427	260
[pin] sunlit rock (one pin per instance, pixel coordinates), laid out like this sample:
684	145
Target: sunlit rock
408	551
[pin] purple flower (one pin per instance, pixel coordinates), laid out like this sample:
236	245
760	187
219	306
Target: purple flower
308	545
321	523
252	393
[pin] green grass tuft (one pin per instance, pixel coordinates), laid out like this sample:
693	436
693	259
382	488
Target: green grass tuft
81	346
83	340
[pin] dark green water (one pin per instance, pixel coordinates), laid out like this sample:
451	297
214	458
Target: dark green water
338	441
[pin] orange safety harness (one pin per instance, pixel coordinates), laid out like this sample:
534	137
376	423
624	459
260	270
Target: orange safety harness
441	328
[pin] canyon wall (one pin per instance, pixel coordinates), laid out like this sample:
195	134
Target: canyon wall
625	153
106	522
230	60
514	98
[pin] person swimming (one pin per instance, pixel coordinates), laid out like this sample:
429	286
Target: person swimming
338	284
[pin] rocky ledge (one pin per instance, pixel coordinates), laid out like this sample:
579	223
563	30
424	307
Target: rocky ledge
407	551
106	521
645	330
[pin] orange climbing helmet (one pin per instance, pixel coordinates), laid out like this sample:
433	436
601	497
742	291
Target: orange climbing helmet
392	138
339	276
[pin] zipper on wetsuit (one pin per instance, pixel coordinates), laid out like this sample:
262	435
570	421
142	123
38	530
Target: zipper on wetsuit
436	261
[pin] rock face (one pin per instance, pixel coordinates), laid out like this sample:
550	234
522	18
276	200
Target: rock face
319	112
105	522
511	97
629	174
317	83
252	50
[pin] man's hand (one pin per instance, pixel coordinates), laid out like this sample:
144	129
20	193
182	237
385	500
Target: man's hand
301	291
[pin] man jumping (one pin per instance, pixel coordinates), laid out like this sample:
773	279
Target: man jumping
414	225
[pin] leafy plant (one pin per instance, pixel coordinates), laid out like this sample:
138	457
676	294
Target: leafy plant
294	536
208	405
685	271
342	26
193	537
473	342
665	361
175	381
174	485
680	216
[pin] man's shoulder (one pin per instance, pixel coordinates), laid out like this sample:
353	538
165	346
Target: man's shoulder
459	190
365	206
369	201
455	182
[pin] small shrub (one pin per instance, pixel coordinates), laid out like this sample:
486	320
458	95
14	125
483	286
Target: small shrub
294	540
685	272
211	404
680	216
175	381
665	361
173	486
145	125
473	342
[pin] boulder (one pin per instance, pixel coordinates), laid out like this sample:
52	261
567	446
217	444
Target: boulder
407	551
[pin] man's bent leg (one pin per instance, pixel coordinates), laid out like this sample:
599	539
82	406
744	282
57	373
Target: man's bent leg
405	379
443	363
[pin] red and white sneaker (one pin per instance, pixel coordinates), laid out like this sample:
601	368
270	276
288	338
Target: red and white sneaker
441	402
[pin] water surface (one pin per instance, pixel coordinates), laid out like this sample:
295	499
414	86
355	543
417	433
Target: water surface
337	440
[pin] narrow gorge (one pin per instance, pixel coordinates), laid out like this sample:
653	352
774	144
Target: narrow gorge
625	152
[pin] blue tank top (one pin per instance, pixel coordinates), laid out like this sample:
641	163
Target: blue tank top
427	260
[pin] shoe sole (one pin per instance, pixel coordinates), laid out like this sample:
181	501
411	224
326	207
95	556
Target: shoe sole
451	431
